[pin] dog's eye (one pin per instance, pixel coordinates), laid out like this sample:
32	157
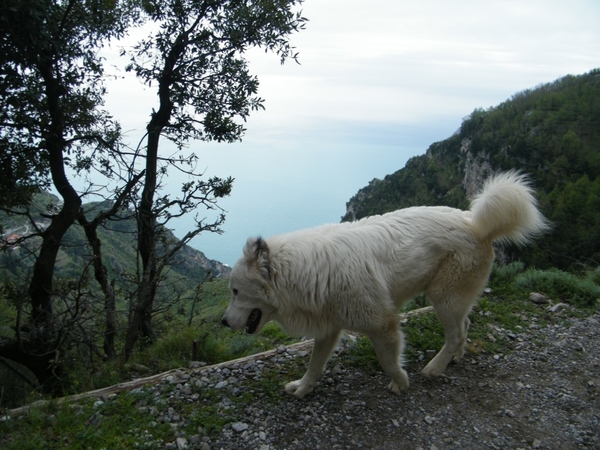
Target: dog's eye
235	291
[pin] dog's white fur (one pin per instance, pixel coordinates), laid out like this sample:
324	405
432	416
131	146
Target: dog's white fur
354	276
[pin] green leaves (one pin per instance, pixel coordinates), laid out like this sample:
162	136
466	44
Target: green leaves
196	58
52	91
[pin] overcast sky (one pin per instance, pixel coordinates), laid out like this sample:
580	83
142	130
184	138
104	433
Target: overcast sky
379	81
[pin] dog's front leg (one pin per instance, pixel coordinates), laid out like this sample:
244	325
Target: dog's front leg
322	349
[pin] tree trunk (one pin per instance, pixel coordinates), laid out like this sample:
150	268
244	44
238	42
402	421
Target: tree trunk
39	351
141	321
40	289
101	275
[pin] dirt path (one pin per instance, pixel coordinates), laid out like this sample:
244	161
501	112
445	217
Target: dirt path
542	395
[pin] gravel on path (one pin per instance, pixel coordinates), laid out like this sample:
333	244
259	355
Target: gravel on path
543	395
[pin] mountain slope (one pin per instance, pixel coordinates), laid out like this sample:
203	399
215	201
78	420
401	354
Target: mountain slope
188	269
551	132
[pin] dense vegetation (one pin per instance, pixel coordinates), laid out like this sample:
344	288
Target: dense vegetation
551	132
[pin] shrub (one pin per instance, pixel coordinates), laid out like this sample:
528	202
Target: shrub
581	291
503	276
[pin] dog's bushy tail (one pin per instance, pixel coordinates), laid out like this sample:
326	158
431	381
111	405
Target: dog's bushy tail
507	210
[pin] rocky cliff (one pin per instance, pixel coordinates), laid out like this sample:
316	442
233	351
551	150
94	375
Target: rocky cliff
551	133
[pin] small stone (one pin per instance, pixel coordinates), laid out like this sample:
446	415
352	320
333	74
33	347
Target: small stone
539	299
536	443
239	426
181	443
429	420
197	364
221	384
347	407
556	308
95	419
249	365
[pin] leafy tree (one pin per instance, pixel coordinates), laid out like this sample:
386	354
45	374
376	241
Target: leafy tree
205	92
50	114
53	124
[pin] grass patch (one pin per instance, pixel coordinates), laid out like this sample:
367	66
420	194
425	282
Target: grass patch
580	291
514	281
215	344
422	332
115	424
362	354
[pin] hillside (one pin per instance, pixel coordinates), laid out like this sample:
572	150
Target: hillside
551	132
118	246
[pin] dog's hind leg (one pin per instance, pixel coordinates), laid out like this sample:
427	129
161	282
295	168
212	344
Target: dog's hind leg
453	292
388	344
455	325
322	349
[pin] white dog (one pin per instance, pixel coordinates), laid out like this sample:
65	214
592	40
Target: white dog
355	276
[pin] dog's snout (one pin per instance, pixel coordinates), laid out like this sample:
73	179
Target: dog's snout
224	322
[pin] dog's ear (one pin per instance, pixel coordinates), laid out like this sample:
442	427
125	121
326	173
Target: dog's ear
256	253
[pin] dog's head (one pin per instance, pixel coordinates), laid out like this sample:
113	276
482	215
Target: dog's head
250	306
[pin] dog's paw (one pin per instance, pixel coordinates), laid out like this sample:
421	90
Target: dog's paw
396	389
432	370
400	385
457	357
298	388
459	354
